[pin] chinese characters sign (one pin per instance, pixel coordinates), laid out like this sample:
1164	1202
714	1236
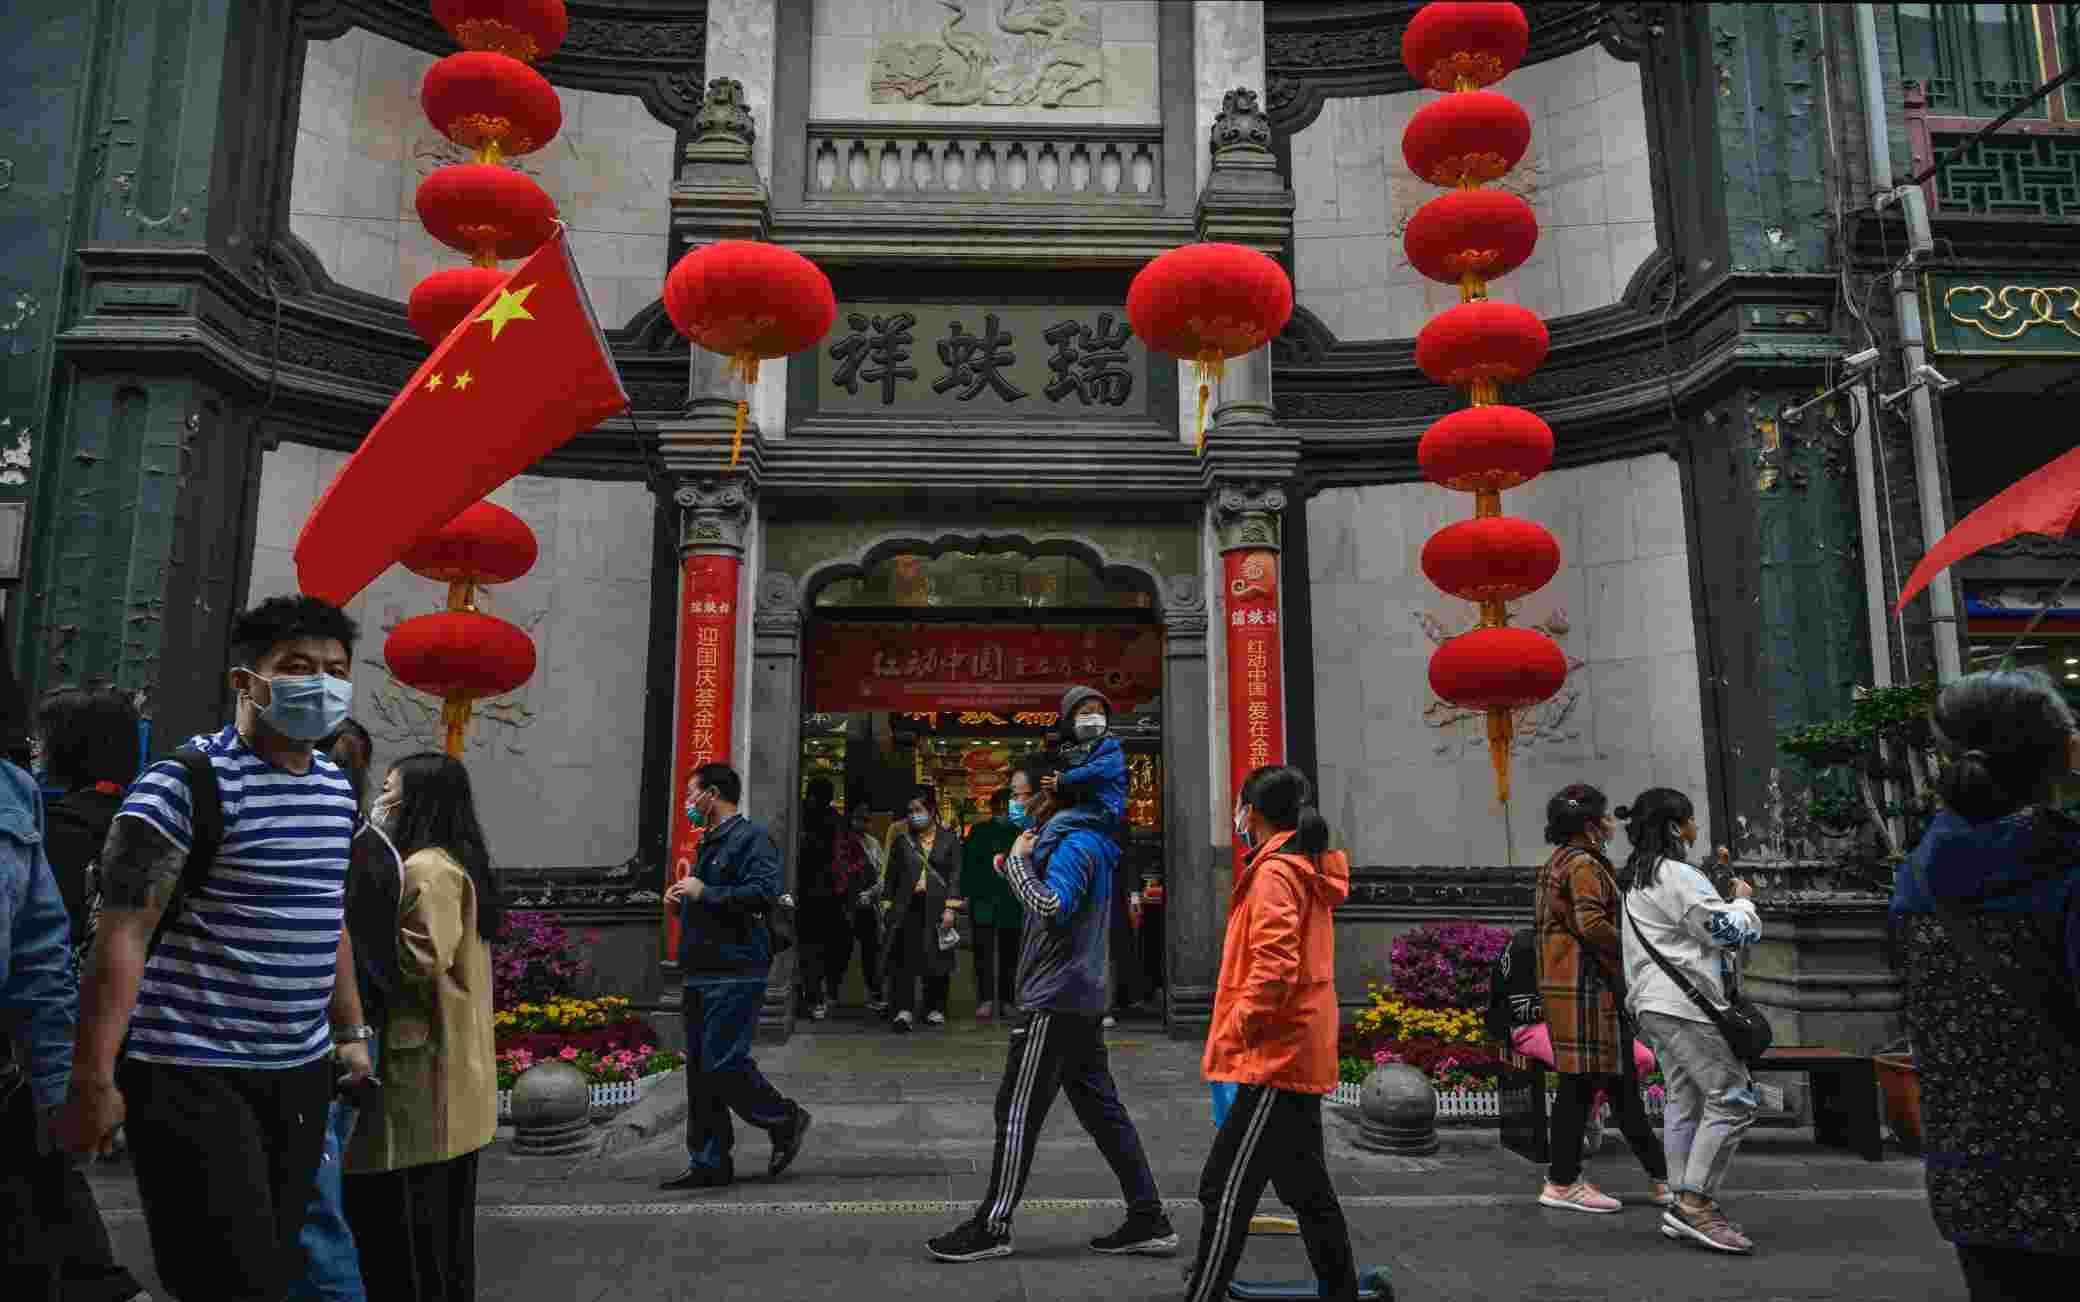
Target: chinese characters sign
1005	670
706	703
1256	688
991	363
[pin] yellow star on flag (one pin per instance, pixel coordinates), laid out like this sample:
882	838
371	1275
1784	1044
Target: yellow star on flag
435	382
462	381
507	308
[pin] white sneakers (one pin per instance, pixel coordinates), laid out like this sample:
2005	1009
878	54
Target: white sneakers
935	1018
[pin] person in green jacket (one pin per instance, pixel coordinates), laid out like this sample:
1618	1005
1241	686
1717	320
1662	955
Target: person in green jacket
998	916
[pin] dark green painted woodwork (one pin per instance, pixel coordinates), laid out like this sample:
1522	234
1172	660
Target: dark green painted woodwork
1772	136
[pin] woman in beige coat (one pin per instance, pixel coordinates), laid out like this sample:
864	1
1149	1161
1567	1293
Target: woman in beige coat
411	1173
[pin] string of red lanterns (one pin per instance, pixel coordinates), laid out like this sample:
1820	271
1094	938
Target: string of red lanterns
489	100
1469	237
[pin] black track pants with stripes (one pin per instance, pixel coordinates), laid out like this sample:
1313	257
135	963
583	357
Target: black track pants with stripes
1275	1136
1062	1053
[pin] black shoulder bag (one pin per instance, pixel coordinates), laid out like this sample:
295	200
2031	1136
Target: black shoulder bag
1746	1030
205	837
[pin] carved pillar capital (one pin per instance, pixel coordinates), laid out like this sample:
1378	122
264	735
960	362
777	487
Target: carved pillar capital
714	515
718	193
1184	612
777	610
725	129
1245	200
1241	133
1246	516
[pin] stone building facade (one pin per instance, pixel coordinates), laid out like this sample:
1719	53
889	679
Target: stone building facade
208	216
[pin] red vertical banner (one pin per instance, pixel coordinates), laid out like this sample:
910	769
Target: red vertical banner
706	706
1256	685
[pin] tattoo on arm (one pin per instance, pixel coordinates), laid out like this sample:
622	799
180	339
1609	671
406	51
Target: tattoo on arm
139	868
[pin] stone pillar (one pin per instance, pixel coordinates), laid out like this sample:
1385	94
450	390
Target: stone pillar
718	195
1244	201
1195	895
1246	525
714	516
775	748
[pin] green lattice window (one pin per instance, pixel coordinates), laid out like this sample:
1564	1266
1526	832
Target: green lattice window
1976	61
2011	176
2069	51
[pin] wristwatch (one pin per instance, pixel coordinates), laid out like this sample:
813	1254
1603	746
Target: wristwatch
352	1035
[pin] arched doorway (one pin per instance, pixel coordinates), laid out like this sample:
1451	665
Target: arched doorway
851	682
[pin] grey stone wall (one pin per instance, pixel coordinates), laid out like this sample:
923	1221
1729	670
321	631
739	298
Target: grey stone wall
1403	782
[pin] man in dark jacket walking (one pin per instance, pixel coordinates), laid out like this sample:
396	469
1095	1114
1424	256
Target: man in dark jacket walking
1062	874
726	952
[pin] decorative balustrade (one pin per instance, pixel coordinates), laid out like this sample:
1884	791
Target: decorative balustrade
985	163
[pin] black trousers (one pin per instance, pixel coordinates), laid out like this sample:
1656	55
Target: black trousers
226	1160
996	965
910	961
1571	1120
416	1230
1062	1053
1270	1136
2011	1274
853	927
53	1244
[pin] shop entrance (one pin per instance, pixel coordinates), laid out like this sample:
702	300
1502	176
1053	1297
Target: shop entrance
944	673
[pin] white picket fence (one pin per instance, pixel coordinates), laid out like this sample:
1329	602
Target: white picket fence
1473	1105
611	1097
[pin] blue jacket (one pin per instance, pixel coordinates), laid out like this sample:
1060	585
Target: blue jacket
724	933
1099	771
39	993
1064	951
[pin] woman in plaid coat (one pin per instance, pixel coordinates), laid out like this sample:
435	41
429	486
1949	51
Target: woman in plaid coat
1581	979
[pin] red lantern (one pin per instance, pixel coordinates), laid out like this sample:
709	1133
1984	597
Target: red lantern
1498	668
1457	46
1481	344
1491	558
1486	449
491	103
486	210
1205	303
1466	139
460	656
525	29
444	299
749	300
1470	237
485	544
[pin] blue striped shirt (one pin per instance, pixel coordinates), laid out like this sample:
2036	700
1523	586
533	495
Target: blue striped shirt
243	976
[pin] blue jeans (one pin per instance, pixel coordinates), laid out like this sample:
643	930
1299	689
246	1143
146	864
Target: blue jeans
331	1266
721	1077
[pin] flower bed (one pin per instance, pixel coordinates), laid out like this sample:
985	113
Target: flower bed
619	1066
598	1026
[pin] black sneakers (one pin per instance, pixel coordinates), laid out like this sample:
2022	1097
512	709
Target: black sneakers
970	1241
1151	1236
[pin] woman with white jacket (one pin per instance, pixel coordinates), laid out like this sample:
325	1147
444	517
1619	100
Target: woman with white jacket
1673	907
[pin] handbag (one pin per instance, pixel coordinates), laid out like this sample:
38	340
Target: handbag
1746	1030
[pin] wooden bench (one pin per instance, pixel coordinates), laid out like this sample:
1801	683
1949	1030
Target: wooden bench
1845	1095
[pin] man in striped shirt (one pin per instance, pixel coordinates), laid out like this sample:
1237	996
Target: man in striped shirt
236	1007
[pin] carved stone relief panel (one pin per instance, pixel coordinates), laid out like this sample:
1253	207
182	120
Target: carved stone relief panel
1066	60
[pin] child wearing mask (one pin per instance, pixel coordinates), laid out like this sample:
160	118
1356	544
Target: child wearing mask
1094	768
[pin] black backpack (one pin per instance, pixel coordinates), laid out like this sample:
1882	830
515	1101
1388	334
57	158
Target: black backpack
206	826
1513	998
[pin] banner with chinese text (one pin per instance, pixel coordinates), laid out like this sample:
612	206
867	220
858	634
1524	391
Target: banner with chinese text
706	700
1003	668
1256	687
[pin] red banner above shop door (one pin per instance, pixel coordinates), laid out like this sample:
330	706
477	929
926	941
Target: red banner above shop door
923	667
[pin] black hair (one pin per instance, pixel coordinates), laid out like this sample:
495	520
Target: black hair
257	632
89	735
1000	800
721	779
348	727
1284	798
1650	825
930	797
2006	734
1571	810
822	791
436	810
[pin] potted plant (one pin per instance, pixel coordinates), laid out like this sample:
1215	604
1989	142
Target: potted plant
1899	1080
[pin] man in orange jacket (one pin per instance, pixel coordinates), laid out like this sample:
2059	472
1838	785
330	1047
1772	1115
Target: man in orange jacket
1274	1036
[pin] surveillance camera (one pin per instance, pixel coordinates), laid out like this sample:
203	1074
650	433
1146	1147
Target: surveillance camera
1929	375
1863	360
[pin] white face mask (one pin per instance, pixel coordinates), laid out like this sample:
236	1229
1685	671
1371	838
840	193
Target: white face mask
1089	726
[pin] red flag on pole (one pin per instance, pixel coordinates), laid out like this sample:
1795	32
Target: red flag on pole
2045	501
526	371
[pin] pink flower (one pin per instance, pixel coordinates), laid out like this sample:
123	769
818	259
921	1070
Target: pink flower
1656	1093
569	1054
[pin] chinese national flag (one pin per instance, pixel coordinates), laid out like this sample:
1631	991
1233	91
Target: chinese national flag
525	371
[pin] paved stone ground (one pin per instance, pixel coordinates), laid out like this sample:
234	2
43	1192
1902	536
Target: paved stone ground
901	1149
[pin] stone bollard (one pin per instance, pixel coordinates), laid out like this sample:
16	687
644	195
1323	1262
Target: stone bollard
552	1110
1400	1109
